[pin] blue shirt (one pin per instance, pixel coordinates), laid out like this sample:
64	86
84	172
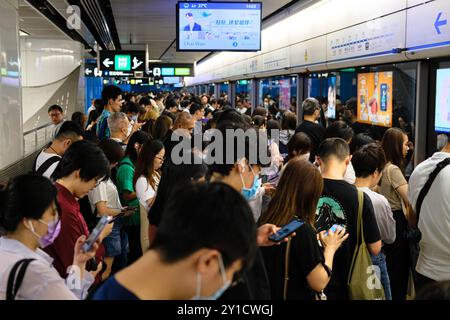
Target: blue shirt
112	290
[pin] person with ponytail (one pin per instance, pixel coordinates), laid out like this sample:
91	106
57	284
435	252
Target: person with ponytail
31	221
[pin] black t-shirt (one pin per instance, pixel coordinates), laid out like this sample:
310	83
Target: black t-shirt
305	255
315	132
339	205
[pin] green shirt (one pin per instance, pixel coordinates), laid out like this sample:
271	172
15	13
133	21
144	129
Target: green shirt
124	180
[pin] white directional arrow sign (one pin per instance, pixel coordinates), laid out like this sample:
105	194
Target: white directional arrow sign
136	63
107	63
88	71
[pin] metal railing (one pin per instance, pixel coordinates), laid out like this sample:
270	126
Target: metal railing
37	138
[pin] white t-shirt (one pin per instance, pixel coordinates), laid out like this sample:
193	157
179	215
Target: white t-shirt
106	191
434	219
144	191
383	215
44	156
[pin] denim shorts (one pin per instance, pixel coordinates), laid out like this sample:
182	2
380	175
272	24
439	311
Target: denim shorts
113	243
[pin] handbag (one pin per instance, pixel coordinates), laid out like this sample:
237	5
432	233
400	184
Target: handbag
360	278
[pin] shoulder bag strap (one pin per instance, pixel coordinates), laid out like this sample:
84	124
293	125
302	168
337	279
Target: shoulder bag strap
286	269
441	165
388	175
359	231
14	283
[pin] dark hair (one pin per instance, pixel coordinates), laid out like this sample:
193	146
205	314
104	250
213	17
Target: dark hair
112	150
336	147
258	121
392	144
195	107
110	92
171	103
300	143
260	111
358	141
55	107
309	106
243	146
140	137
289	121
368	159
25	196
161	127
131	107
232	117
86	157
145	161
219	218
352	105
435	291
78	118
339	129
69	130
93	116
175	175
98	105
293	196
145	101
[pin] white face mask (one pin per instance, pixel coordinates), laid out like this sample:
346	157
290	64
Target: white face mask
129	129
216	295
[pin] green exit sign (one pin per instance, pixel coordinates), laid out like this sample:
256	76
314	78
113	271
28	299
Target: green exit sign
122	62
182	72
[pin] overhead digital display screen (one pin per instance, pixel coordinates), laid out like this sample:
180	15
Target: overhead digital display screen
375	98
442	116
219	26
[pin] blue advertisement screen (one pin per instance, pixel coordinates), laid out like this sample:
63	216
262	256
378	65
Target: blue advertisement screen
216	26
442	118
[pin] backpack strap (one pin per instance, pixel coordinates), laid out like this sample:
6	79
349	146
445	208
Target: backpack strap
47	164
441	165
14	282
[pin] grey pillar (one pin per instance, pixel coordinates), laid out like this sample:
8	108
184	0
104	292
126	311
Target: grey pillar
301	92
255	91
422	114
232	93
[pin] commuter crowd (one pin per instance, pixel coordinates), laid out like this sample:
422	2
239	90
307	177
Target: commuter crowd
200	229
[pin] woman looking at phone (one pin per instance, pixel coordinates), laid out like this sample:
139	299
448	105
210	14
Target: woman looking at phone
104	200
146	180
310	266
32	221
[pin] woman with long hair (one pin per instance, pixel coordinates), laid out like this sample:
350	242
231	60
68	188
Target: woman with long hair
394	187
125	186
146	180
309	268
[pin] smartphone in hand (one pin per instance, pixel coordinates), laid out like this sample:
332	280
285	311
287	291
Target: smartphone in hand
286	231
87	246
